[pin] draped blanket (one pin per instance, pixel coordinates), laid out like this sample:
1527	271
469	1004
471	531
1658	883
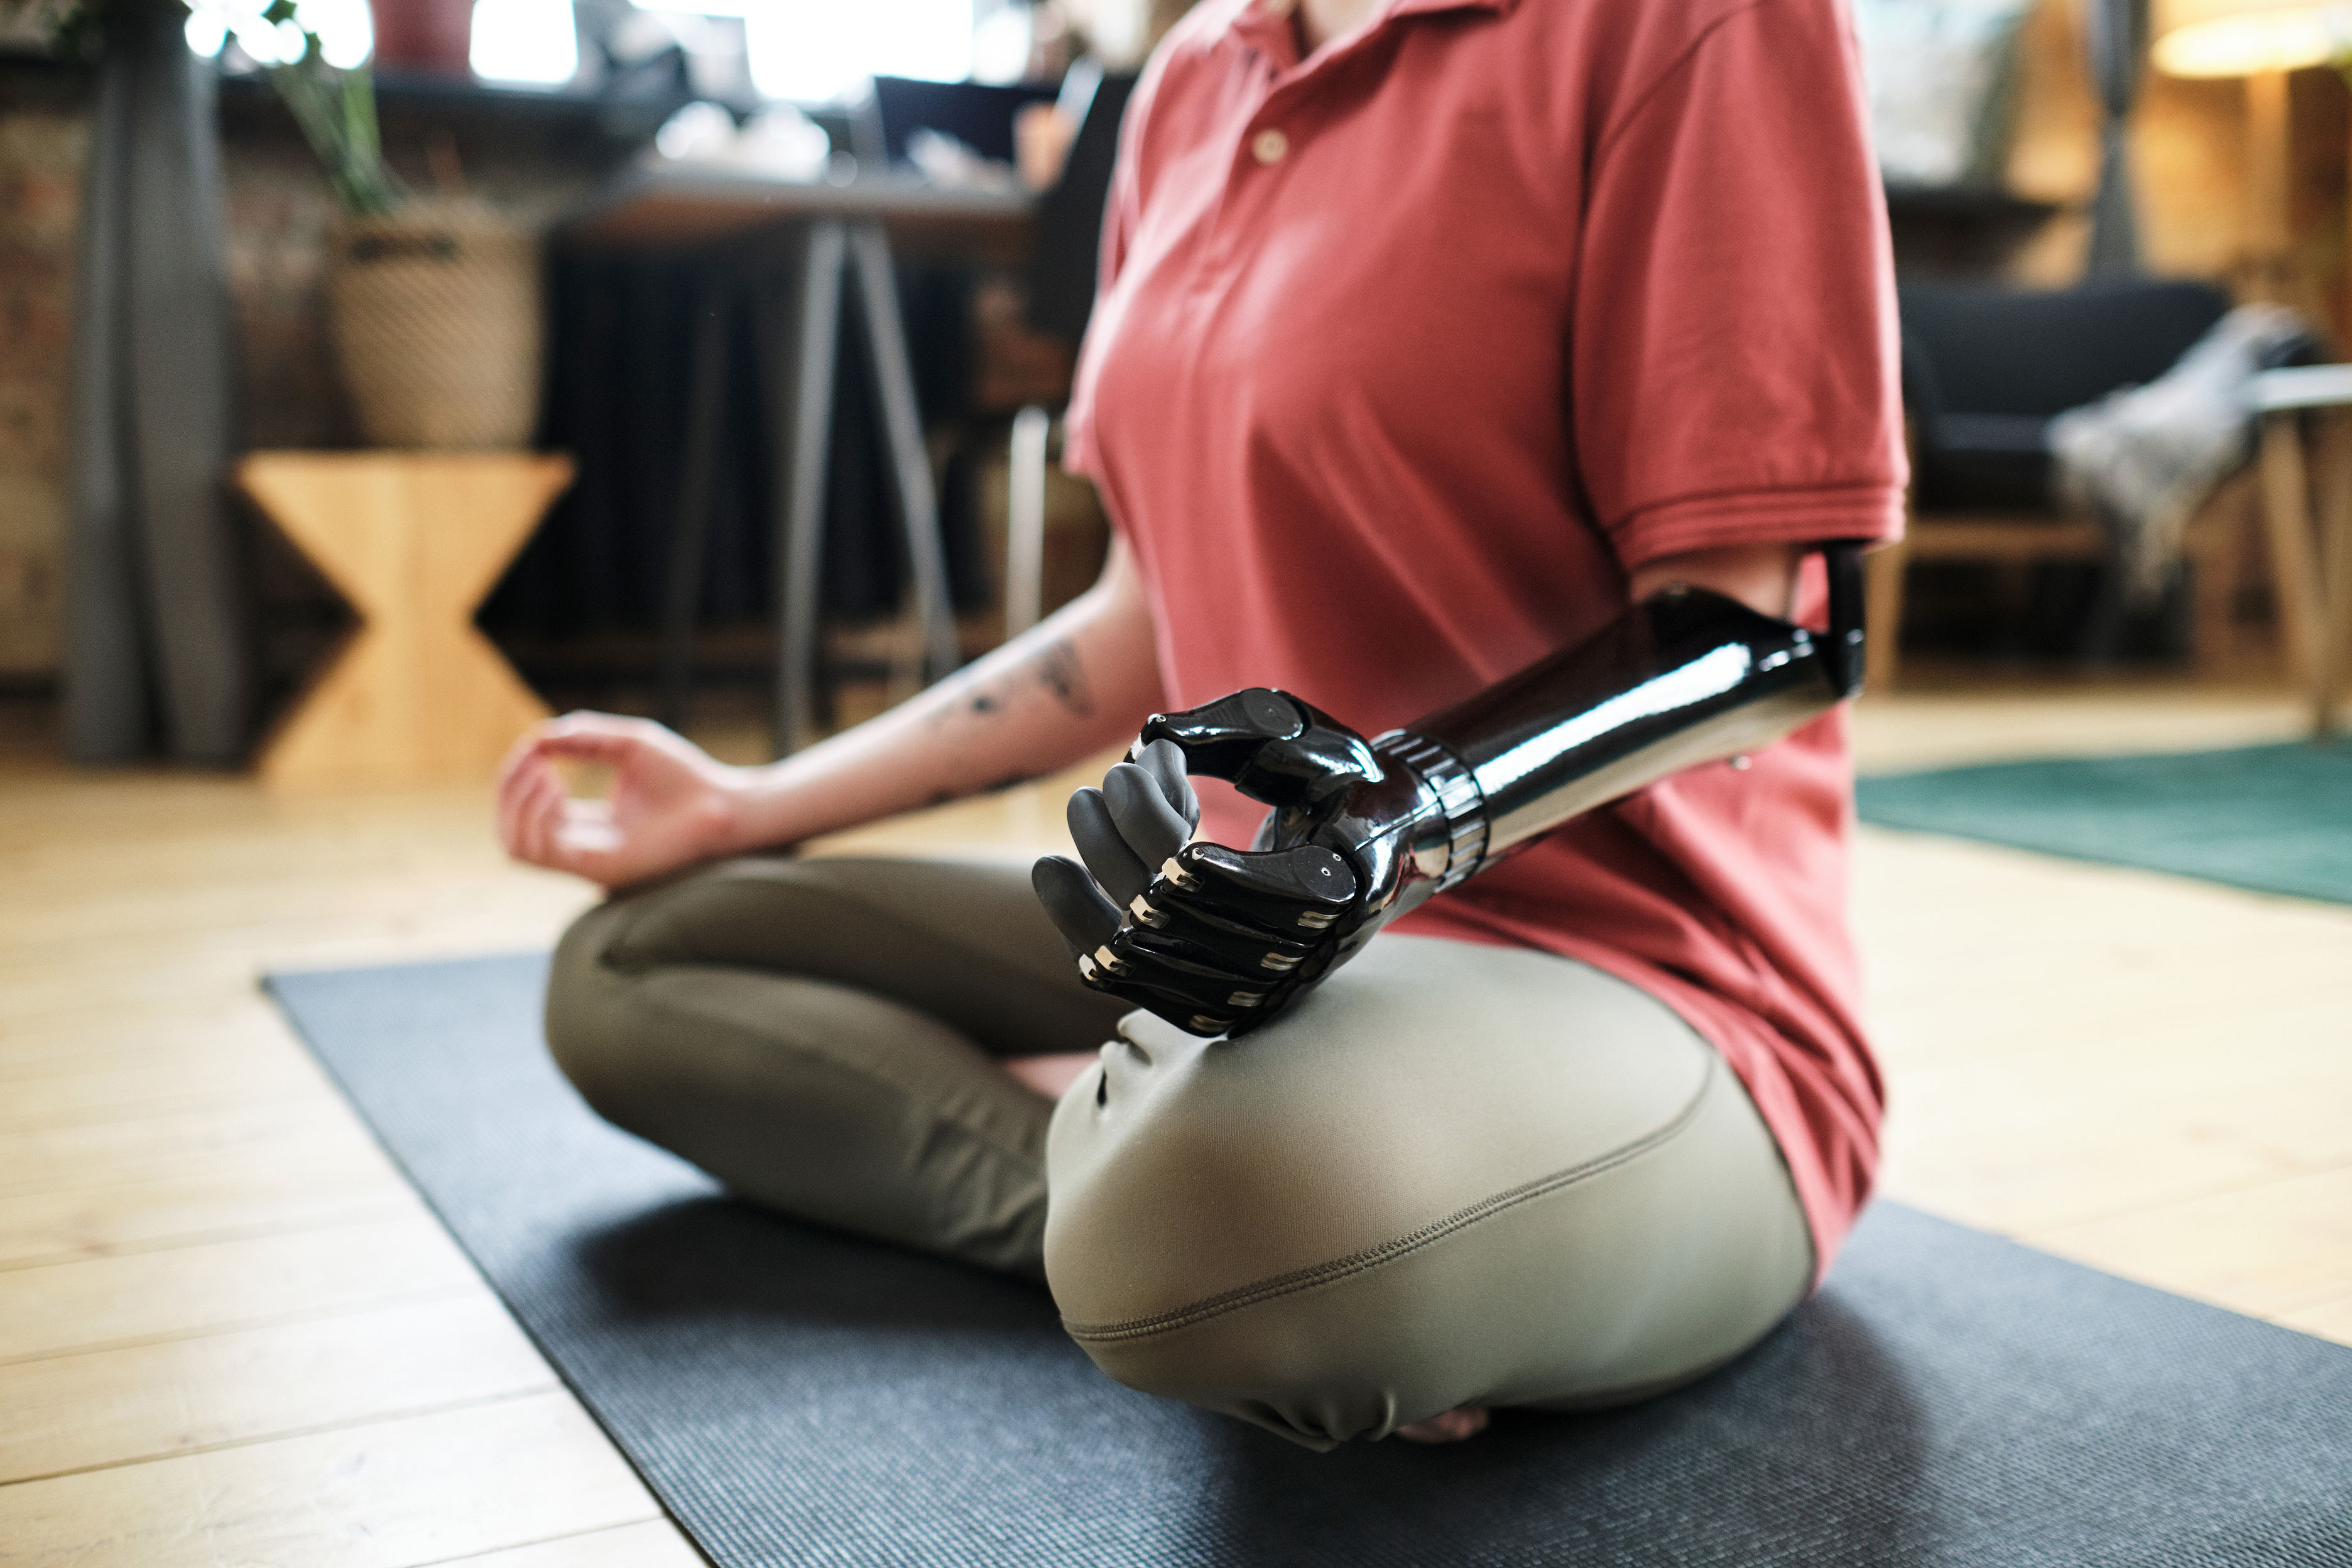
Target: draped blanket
2143	458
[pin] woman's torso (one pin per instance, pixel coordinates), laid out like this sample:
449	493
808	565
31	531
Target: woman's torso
1409	351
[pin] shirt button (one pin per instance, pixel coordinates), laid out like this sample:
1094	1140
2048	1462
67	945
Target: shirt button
1269	145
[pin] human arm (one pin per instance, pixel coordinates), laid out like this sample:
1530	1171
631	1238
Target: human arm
1078	681
1761	576
1219	940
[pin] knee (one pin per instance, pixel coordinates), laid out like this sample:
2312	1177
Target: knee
1350	1347
1331	1230
1237	1242
593	1032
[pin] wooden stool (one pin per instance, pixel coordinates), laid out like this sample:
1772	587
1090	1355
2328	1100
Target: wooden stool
415	542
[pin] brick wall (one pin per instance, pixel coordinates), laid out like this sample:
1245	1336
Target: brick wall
535	162
44	134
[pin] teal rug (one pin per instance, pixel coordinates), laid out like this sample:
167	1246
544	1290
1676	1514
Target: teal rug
2277	819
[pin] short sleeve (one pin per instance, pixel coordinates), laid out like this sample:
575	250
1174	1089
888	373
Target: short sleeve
1734	351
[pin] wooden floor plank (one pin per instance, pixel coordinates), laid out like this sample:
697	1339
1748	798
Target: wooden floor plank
2031	932
2266	1249
110	1407
115	1091
96	926
390	1494
219	1286
656	1544
195	1143
219	1203
2113	1125
1921	727
2066	1042
102	1032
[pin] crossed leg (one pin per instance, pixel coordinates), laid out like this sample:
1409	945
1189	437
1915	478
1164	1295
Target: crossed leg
827	1038
1456	1177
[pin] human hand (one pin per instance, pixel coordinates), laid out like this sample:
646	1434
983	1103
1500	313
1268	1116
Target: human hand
1219	941
671	805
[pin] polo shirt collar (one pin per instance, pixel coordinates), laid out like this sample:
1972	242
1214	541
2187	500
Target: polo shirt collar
1266	23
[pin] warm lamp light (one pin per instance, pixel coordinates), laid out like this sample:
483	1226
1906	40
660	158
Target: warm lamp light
2246	37
2261	40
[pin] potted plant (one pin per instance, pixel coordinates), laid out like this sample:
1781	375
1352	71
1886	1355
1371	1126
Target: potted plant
433	302
435	309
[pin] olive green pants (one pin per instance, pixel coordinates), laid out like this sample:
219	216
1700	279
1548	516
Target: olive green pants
1456	1174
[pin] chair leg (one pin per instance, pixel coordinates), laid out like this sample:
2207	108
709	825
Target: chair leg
2336	619
1883	609
2214	591
2287	512
1024	523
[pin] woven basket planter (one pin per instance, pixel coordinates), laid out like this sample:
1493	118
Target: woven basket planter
437	318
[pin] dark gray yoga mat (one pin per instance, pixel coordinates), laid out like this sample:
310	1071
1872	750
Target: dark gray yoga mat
801	1397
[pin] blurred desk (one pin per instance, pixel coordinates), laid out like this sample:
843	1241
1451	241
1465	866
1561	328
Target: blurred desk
412	541
683	207
813	236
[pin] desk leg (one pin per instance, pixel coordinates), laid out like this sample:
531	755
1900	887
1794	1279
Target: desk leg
910	464
690	534
803	372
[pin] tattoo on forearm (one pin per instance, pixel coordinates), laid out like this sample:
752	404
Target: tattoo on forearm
1059	672
1054	668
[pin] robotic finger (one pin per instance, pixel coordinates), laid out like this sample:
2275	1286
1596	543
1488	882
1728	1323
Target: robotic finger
1084	918
1127	827
1163	763
1202	985
1275	748
1300	892
1181	982
1243	944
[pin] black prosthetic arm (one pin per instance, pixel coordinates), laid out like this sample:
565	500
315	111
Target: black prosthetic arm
1220	941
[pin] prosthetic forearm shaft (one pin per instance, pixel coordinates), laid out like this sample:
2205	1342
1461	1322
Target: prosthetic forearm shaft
1687	677
1220	940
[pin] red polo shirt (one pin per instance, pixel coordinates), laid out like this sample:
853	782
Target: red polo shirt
1408	350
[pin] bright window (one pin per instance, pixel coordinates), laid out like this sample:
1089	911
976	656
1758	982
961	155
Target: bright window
532	41
815	51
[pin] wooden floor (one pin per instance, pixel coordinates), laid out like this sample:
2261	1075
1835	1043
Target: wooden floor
229	1333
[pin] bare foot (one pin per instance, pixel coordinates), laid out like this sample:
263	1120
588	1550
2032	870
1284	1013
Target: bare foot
1049	1076
1451	1428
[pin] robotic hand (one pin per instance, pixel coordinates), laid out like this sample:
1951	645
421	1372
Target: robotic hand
1219	941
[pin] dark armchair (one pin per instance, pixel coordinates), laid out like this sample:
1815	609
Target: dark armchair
1984	369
